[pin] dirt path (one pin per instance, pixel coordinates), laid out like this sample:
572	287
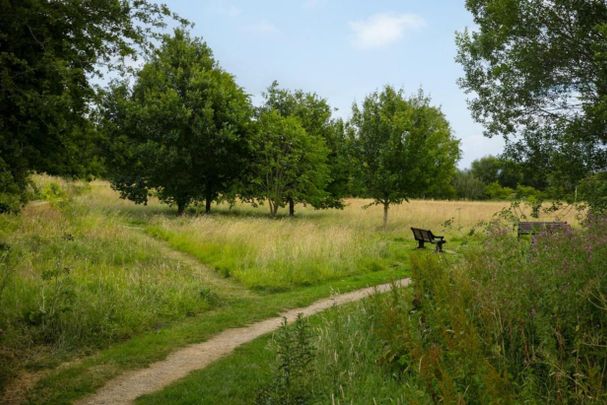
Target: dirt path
127	387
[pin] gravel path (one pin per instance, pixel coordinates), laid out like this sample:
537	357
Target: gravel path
127	387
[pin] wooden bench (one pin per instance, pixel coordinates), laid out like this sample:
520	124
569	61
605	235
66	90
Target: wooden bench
533	228
425	235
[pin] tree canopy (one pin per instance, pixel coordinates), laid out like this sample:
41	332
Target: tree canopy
181	131
50	51
314	115
289	164
538	72
403	146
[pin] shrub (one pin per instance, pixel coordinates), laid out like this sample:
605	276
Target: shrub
513	320
294	353
496	192
593	190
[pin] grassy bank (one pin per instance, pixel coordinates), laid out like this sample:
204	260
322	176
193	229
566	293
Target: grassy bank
99	285
510	322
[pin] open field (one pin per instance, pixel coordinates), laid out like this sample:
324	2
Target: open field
105	286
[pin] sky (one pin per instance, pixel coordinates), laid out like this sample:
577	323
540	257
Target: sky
343	50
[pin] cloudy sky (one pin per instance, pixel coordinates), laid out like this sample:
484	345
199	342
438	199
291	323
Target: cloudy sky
343	50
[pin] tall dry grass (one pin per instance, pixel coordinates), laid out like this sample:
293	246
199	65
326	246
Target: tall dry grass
244	242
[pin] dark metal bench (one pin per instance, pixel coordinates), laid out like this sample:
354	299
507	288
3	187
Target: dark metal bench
425	235
533	228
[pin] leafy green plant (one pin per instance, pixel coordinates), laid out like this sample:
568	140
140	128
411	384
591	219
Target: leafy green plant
295	354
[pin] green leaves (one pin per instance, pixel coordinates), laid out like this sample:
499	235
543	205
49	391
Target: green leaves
289	164
181	130
50	50
403	147
538	74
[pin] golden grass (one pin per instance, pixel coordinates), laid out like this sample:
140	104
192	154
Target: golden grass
260	251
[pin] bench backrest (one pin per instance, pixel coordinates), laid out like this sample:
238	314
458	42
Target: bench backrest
527	228
422	234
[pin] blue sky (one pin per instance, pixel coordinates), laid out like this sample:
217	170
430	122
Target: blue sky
343	50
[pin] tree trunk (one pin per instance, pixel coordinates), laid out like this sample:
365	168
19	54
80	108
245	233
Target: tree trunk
273	208
291	207
207	204
386	207
181	205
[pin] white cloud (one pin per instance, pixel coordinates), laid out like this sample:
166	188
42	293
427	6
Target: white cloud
383	29
262	27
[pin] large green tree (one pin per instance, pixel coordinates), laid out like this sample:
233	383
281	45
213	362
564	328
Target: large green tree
404	147
49	52
289	164
181	131
314	115
538	72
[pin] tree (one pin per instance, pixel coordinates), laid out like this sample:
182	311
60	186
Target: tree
314	115
404	147
467	186
490	169
593	190
289	164
181	130
538	70
50	52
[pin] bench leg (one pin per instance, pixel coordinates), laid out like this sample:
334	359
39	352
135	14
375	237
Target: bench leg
420	244
439	247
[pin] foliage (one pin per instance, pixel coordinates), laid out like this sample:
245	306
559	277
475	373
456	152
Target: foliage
496	192
181	130
295	354
314	115
403	147
289	165
50	53
467	186
593	190
76	280
511	321
538	72
491	169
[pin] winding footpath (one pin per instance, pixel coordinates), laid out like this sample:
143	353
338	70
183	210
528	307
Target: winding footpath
129	386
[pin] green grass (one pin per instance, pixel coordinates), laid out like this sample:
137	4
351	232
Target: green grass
261	263
345	367
93	285
70	383
507	321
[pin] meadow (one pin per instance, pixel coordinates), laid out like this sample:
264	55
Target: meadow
92	285
510	322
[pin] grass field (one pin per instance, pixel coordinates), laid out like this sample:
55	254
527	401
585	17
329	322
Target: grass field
102	285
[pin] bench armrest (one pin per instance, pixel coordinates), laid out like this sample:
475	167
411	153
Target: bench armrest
438	237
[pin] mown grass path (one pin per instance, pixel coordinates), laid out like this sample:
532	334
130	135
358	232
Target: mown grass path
127	387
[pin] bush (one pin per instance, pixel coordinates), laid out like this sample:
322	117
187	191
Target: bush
510	322
294	353
496	192
593	190
514	321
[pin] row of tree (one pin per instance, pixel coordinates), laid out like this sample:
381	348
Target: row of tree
537	71
187	132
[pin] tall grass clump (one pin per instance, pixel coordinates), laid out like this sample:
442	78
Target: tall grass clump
510	321
278	254
514	320
73	280
291	383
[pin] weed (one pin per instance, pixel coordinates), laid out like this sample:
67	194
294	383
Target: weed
294	351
